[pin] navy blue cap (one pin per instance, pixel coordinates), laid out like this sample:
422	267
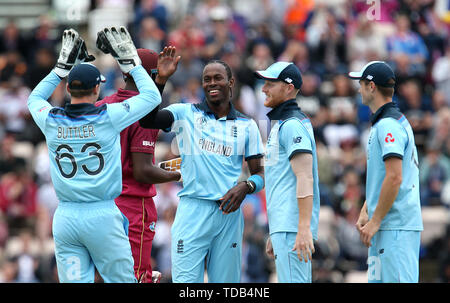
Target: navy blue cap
282	71
377	71
87	74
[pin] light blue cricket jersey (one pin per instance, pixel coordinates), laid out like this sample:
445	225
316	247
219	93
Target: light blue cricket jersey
212	150
291	133
84	140
391	135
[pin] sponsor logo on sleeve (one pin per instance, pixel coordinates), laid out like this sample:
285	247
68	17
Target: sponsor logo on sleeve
389	138
148	143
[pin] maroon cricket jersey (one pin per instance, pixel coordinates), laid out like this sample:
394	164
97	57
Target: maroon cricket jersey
134	138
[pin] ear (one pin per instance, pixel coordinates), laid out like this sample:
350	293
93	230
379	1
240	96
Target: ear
96	89
67	88
290	88
231	82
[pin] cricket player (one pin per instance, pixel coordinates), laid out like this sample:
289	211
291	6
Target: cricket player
291	176
213	139
84	149
390	221
139	174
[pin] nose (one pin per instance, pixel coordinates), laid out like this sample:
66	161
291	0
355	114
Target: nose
264	88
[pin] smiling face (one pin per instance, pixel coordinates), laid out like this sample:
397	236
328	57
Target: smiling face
216	84
276	92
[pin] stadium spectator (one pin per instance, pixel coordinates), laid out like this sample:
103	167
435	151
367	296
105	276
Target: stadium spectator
12	39
434	173
441	73
407	51
154	9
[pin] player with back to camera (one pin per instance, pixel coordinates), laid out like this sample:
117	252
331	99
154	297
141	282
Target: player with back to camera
138	171
213	139
84	149
390	221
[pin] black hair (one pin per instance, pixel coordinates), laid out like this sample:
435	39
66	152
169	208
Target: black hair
227	67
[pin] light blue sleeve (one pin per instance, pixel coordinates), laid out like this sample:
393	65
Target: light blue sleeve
392	138
178	110
294	138
179	113
37	101
125	113
253	145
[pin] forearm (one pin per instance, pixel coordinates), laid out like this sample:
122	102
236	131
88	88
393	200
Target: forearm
388	193
364	208
157	119
148	90
305	206
45	88
156	175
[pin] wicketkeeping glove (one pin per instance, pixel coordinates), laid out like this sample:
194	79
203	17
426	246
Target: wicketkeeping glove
70	49
119	44
83	55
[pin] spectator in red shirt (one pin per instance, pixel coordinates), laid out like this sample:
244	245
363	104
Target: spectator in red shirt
138	171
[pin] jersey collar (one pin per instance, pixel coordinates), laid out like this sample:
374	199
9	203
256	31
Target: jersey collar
284	110
83	109
387	110
232	114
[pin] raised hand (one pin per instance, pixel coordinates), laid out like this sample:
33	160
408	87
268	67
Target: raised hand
70	49
167	64
119	44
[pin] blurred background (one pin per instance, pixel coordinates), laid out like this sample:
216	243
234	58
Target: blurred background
324	38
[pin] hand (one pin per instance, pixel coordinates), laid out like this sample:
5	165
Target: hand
70	49
362	220
173	165
120	45
167	64
269	248
232	200
368	231
304	244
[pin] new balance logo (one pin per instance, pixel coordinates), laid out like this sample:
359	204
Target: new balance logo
180	247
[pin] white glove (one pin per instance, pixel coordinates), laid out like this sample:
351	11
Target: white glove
70	50
120	45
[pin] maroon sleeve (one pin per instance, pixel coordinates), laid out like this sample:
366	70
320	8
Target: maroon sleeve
143	140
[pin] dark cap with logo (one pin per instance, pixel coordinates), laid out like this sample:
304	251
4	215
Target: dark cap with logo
287	72
87	74
377	71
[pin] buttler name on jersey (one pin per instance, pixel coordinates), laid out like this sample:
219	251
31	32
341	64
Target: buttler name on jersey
72	132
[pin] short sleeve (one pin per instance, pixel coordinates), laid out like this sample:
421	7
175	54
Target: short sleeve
253	146
178	110
294	138
142	140
392	138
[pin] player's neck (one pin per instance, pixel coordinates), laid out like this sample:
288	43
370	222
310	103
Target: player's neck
82	100
379	102
220	109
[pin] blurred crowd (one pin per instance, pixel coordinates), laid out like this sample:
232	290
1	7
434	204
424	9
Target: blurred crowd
324	38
